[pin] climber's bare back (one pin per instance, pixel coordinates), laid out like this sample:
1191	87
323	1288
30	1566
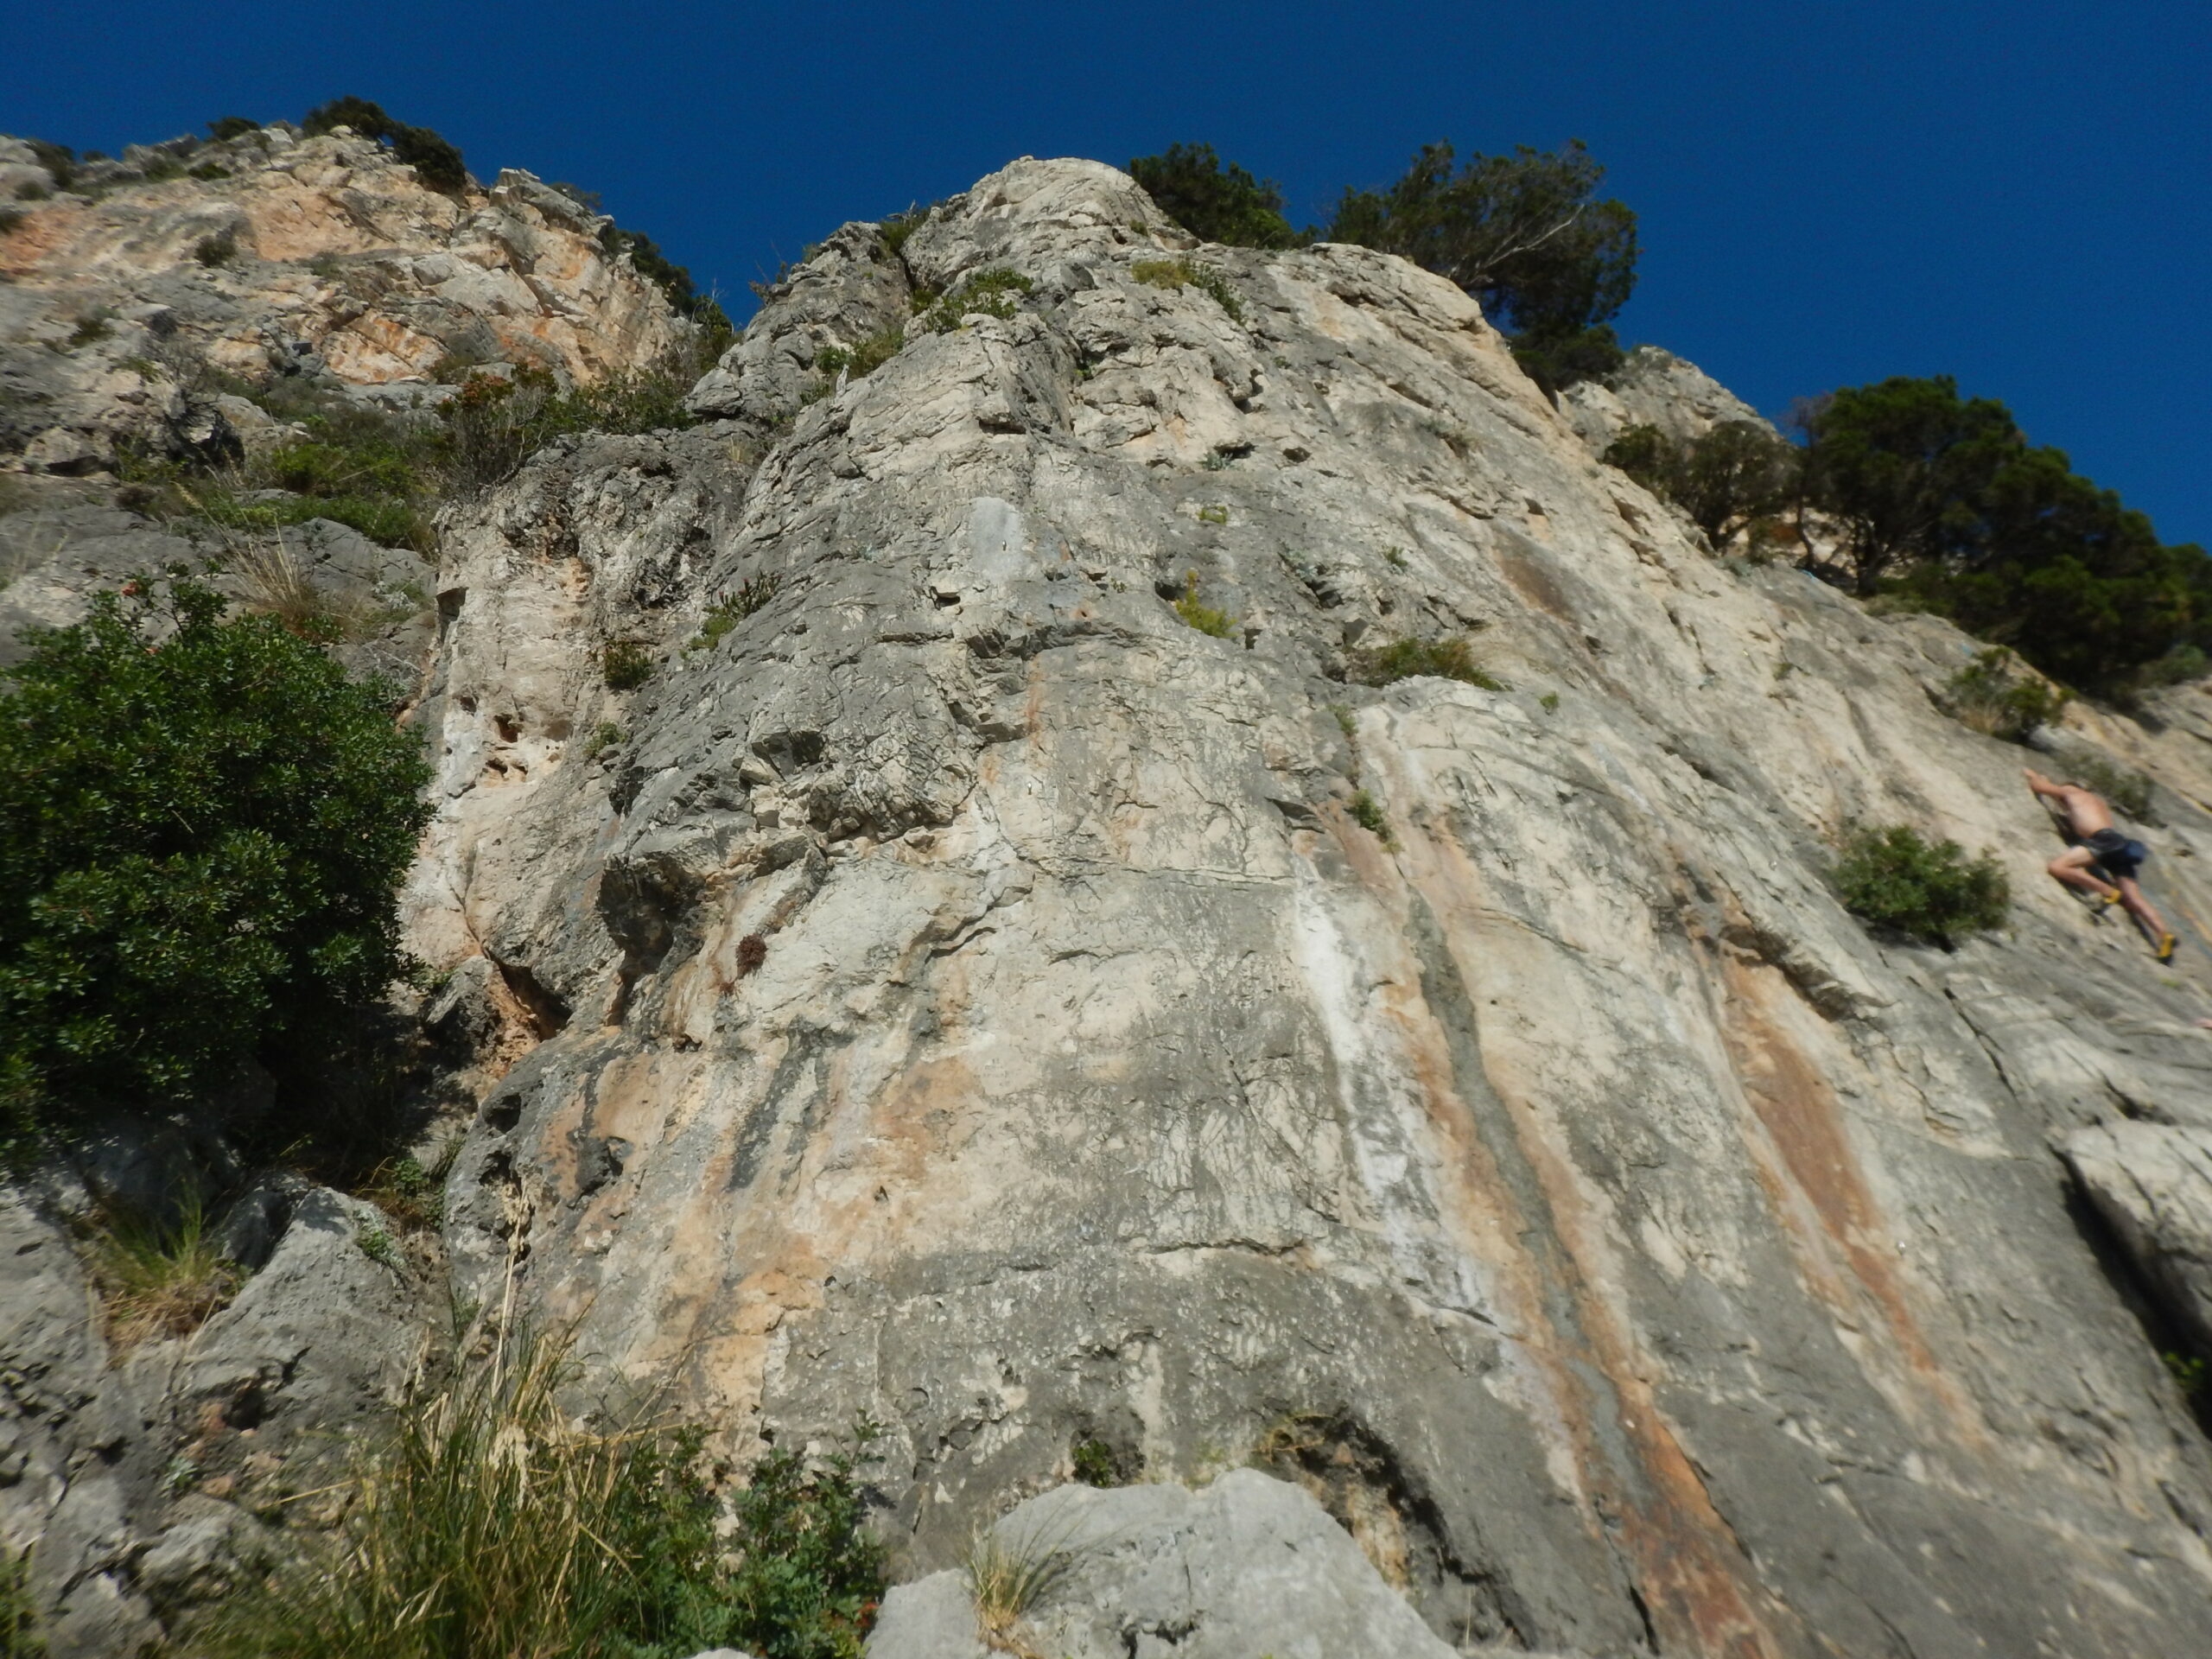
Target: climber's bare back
2085	809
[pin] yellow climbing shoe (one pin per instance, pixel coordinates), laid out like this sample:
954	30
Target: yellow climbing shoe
2167	942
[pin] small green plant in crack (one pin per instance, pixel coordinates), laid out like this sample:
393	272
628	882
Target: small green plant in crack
178	1474
1010	1572
1196	614
725	613
2190	1375
865	357
604	738
626	664
1406	659
1367	813
1345	723
1219	461
97	326
376	1244
1394	558
1549	702
1095	1464
1216	514
988	294
1171	273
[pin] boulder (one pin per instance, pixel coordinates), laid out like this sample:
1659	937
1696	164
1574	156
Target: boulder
1249	1565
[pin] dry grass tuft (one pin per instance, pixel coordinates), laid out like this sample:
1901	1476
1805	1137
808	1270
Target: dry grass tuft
159	1280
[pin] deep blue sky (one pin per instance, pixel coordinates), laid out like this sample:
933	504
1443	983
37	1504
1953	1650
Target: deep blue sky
2016	193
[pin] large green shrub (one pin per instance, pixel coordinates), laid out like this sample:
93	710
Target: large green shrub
202	823
1896	878
1213	200
1526	235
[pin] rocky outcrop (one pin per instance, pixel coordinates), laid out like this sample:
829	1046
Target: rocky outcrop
149	1478
125	300
2152	1185
961	991
1656	389
1249	1565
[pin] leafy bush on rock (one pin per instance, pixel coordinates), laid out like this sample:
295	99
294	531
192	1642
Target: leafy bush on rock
1896	878
202	823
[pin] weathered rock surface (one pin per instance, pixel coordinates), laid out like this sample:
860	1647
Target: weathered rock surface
966	993
1247	1566
2152	1184
281	254
954	989
1653	388
148	1478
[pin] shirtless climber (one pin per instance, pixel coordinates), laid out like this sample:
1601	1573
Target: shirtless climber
2099	845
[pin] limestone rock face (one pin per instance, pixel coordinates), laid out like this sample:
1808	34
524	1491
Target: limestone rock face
1249	1564
2152	1184
954	989
1653	388
276	254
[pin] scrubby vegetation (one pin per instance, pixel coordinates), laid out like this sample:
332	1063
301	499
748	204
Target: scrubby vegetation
626	664
1182	273
732	609
488	1523
988	293
1196	614
1406	659
1214	201
1993	695
202	823
19	1633
864	357
435	162
160	1275
1930	890
1726	481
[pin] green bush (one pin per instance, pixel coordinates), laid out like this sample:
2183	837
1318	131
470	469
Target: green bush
217	250
10	218
987	293
626	664
1725	480
870	354
1525	235
1991	696
435	162
1214	201
1895	878
1180	273
202	823
1406	659
231	126
494	424
1367	813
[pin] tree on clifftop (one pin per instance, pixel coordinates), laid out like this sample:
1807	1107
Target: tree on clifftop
1525	235
1943	500
1214	201
436	161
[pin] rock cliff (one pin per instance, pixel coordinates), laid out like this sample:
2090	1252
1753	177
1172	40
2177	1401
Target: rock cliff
957	989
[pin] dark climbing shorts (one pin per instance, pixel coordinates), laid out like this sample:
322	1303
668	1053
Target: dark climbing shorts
2120	857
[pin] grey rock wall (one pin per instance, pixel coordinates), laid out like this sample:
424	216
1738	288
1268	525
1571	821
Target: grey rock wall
968	994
